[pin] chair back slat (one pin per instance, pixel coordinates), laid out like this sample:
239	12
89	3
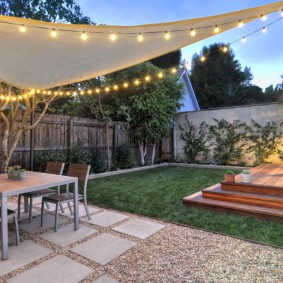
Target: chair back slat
55	168
81	171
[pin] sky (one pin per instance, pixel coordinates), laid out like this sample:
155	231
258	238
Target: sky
262	52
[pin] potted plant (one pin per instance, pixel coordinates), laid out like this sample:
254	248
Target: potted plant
246	176
229	176
22	174
10	172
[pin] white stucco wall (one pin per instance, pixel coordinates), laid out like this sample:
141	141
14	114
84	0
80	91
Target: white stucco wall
260	113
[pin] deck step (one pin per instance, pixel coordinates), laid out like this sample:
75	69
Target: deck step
260	212
253	188
243	198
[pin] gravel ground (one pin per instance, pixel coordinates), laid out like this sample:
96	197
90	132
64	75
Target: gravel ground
178	254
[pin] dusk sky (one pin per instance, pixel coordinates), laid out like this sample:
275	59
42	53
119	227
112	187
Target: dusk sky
262	52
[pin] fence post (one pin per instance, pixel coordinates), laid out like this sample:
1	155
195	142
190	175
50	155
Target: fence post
114	141
32	137
71	132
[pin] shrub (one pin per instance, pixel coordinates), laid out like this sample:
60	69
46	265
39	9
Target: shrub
46	156
124	157
228	141
195	139
98	160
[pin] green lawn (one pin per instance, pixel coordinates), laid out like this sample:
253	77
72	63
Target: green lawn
158	193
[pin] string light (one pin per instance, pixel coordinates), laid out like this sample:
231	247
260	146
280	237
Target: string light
263	17
84	36
244	39
23	28
140	37
225	49
167	35
53	33
115	87
137	82
113	36
281	13
264	29
174	71
147	78
216	29
125	85
202	58
160	75
193	32
240	24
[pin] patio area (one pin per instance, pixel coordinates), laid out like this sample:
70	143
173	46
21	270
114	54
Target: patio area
121	247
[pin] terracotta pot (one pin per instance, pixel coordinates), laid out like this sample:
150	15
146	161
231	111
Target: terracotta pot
230	178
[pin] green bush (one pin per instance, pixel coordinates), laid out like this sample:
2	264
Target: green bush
124	157
98	160
48	156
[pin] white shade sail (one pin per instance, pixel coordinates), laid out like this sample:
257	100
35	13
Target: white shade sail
35	60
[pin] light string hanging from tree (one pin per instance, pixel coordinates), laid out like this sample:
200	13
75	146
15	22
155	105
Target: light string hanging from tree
141	36
98	90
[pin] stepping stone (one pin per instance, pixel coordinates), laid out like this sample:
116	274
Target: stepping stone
139	228
67	235
27	252
106	218
104	279
34	226
103	248
82	212
57	269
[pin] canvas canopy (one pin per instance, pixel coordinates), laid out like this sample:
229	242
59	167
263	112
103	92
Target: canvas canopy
35	60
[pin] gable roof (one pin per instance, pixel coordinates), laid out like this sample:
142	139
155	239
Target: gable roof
189	99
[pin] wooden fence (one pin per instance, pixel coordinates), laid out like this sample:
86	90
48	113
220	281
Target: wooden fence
58	132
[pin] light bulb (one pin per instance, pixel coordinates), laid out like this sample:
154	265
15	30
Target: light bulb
125	85
263	17
84	36
160	75
107	89
202	58
193	32
225	49
147	78
53	33
97	90
89	91
281	13
216	29
113	36
240	24
167	35
244	39
137	82
115	87
264	29
140	37
174	71
23	28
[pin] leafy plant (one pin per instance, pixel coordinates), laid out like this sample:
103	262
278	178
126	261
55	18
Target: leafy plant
46	156
98	160
124	157
227	141
265	140
229	172
77	154
195	139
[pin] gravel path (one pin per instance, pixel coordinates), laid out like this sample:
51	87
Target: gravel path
178	254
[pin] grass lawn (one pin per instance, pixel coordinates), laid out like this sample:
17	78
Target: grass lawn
158	193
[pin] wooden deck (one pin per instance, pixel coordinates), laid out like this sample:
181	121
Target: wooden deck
261	198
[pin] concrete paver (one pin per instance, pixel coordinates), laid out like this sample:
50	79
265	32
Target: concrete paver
139	228
103	248
104	279
57	269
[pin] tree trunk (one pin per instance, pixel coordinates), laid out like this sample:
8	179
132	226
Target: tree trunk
143	148
153	153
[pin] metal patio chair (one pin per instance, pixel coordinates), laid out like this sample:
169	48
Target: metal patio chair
81	171
14	213
51	168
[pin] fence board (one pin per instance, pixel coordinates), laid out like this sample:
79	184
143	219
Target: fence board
58	132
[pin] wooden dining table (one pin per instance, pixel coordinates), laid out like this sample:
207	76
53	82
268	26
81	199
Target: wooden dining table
34	181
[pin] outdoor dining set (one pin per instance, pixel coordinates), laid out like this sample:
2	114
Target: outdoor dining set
47	185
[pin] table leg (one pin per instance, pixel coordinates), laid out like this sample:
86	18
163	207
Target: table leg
76	206
4	228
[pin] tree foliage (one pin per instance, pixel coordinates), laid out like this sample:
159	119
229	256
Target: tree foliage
220	81
168	60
